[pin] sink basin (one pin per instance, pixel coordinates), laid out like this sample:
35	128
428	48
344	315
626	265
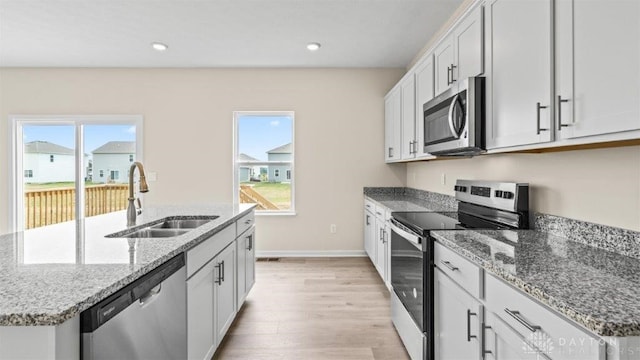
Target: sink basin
155	233
167	227
181	224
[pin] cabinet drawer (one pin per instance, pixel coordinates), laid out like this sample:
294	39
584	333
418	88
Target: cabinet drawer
369	205
207	250
381	212
465	273
244	223
540	327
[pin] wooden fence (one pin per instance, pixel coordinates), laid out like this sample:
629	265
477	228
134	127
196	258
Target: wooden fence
52	206
248	195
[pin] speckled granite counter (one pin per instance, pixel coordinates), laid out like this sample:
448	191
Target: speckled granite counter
48	275
407	199
596	288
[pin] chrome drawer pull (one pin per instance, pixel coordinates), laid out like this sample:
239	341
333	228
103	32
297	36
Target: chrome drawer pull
516	315
469	336
448	264
247	222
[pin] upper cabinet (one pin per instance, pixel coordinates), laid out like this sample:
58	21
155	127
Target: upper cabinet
424	92
392	125
597	67
408	115
460	54
519	100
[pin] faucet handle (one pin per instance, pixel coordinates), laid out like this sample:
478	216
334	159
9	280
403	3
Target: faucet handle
138	206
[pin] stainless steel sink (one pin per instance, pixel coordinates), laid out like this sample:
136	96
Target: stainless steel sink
155	233
181	224
167	227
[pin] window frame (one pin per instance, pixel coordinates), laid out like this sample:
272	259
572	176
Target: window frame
235	164
15	133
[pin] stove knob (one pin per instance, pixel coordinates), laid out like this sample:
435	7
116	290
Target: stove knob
498	193
507	195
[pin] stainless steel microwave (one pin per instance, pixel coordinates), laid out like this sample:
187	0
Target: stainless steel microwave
454	120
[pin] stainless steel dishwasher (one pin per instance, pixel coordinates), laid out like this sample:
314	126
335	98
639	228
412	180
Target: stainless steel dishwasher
147	319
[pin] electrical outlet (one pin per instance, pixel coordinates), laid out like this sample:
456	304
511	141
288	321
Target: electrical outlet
443	179
333	228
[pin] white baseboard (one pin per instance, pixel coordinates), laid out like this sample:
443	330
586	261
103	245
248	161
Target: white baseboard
313	253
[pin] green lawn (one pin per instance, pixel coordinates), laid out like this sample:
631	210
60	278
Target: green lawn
277	193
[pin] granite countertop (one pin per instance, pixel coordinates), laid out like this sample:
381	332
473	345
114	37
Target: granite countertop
596	288
399	202
51	274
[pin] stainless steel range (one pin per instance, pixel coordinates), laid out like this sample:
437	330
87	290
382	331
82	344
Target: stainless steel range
482	205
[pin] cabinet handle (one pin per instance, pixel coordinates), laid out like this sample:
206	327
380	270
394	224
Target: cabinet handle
390	152
449	72
247	222
538	107
368	223
250	238
222	271
484	341
469	336
384	235
516	315
219	281
560	101
452	79
410	147
381	236
448	265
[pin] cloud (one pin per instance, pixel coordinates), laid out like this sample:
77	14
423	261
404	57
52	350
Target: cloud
274	123
131	130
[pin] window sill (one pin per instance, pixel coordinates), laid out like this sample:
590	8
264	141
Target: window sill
275	213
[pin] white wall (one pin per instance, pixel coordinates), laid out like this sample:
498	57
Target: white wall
188	119
600	186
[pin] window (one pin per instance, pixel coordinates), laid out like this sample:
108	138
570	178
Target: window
130	157
263	151
64	150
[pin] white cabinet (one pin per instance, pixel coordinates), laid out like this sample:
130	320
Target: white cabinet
224	291
376	239
519	97
381	253
408	116
246	264
424	92
597	67
460	54
502	342
369	234
458	322
201	339
392	125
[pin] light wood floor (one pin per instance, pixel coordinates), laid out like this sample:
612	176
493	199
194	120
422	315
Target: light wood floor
312	309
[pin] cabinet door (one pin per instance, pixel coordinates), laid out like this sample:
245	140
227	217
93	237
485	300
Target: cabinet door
443	60
225	295
469	46
457	321
504	343
392	126
369	235
408	115
201	339
241	265
380	253
387	254
598	67
424	93
519	105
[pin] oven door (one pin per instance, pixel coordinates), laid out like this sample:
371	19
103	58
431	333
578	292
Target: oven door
445	121
409	272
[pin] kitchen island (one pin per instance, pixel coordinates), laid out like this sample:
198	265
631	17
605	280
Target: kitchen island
49	275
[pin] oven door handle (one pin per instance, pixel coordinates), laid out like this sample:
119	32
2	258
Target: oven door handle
412	238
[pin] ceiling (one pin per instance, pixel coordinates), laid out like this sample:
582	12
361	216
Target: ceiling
217	33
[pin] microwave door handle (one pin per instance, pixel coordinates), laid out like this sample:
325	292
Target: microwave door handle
452	107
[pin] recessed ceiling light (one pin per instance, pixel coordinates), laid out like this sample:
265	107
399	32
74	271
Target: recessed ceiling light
159	46
314	46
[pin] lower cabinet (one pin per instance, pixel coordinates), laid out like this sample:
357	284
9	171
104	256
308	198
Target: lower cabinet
502	342
201	339
369	235
377	236
458	321
224	294
246	264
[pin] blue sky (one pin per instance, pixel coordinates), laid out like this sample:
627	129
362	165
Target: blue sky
94	135
259	134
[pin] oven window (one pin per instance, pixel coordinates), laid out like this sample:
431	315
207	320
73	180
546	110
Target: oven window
407	276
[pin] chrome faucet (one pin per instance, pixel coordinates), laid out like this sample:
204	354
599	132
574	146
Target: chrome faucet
132	211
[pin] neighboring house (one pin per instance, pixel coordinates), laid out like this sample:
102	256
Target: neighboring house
248	172
280	173
46	162
111	162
